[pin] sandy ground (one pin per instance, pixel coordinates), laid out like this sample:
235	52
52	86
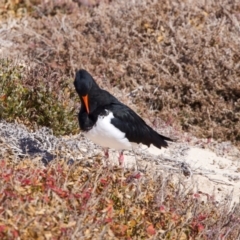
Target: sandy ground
203	169
214	172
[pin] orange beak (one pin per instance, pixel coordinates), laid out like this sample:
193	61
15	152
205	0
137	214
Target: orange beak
85	100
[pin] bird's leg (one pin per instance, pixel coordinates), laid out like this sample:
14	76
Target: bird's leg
106	154
121	158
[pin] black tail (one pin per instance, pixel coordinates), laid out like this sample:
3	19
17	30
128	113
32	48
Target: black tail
159	140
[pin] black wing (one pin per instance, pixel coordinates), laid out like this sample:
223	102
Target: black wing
135	127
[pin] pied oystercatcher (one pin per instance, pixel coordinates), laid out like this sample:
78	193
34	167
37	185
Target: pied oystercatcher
108	122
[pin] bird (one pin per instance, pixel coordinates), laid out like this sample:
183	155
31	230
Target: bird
109	123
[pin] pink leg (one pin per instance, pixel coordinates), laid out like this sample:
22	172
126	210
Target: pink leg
106	153
121	158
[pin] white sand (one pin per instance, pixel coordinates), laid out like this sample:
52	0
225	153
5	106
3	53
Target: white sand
217	176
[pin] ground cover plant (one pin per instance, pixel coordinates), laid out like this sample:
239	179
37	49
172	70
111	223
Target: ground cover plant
174	60
88	201
34	98
181	60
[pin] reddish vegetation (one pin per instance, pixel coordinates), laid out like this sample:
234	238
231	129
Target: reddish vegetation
60	201
177	60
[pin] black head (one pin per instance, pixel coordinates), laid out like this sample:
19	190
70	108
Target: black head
86	88
83	82
91	95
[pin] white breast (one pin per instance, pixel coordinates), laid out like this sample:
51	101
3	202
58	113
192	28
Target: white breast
107	135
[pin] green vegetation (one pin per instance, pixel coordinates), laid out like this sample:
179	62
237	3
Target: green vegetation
28	98
173	60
